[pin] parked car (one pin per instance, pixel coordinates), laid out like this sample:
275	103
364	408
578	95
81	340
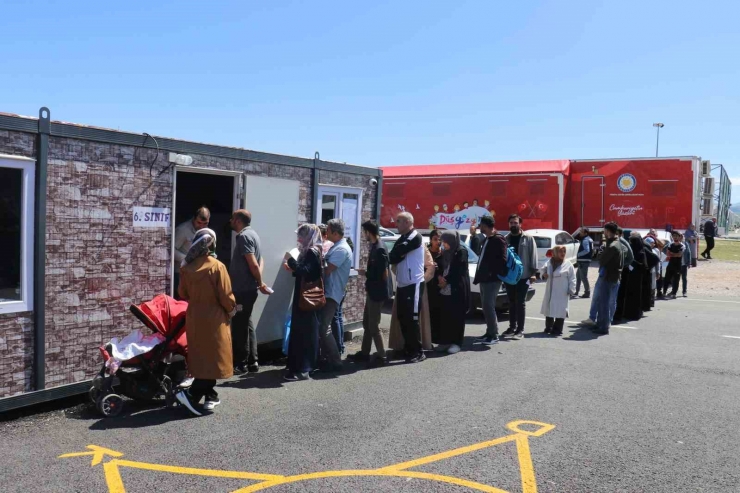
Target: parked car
545	239
502	301
384	233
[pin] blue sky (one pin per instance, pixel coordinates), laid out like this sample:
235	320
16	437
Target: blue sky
382	83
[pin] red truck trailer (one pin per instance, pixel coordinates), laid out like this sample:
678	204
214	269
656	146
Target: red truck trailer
660	193
452	196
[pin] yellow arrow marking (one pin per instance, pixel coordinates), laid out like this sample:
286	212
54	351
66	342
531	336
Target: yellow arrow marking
97	454
520	437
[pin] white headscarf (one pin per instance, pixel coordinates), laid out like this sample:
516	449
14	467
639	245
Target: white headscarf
309	235
204	243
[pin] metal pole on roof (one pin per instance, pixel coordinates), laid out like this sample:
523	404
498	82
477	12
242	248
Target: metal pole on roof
657	139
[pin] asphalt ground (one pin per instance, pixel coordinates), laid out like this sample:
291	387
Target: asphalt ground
651	407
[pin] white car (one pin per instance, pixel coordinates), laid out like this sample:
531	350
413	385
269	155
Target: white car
502	301
545	239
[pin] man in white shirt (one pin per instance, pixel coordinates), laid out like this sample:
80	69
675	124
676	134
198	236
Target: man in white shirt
184	234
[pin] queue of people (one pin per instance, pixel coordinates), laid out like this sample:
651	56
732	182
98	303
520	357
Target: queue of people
432	296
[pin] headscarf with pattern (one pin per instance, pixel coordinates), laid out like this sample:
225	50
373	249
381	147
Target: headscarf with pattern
204	243
309	235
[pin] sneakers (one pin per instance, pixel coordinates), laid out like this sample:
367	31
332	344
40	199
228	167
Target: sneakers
253	368
187	382
290	377
441	348
418	358
211	404
518	336
454	349
588	322
585	295
240	370
548	330
509	332
184	399
358	356
487	340
672	296
685	295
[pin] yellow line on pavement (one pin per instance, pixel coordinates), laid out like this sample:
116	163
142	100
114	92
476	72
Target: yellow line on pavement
199	472
448	454
370	473
526	468
113	477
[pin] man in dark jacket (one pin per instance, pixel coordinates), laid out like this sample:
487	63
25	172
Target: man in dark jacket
476	239
611	263
377	292
710	231
491	263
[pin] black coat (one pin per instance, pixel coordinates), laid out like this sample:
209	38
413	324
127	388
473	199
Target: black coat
458	276
493	262
476	242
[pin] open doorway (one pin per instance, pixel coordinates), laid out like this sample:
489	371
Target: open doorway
219	193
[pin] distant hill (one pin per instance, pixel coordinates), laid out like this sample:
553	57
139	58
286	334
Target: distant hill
735	208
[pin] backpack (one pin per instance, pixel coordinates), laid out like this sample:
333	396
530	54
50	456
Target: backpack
514	267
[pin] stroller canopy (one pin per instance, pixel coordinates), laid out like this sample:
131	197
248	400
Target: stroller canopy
165	315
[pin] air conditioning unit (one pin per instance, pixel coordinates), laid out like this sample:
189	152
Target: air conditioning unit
706	169
708	187
706	207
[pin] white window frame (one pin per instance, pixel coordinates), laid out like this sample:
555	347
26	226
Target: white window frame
339	192
28	192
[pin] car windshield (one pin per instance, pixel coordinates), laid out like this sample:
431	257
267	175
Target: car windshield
543	242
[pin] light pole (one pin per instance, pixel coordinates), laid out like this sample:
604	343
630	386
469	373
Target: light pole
657	139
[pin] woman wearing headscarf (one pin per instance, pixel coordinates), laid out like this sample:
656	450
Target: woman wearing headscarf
454	289
206	286
648	275
561	284
303	341
395	337
430	276
633	303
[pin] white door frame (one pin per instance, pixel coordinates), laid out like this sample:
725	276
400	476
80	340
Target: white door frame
238	203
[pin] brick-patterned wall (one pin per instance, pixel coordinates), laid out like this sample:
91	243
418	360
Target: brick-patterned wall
97	264
16	329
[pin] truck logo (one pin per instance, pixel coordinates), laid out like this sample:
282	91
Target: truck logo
626	182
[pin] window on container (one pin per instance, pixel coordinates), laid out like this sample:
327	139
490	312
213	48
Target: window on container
346	204
441	189
394	190
664	189
498	188
536	188
16	231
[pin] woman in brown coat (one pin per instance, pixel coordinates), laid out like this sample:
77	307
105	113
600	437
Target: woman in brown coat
205	285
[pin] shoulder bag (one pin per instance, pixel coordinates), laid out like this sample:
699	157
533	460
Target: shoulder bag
312	296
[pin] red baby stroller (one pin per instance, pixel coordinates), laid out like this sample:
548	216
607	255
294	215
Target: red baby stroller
144	367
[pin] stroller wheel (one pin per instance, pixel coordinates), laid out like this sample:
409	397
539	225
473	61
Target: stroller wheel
169	392
94	394
110	405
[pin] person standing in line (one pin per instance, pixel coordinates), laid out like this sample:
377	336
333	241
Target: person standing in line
561	284
206	286
408	257
325	243
633	303
454	288
523	243
585	253
648	275
491	264
674	252
303	341
687	262
377	292
432	285
655	271
246	280
607	285
710	231
395	337
476	239
184	234
622	293
692	240
337	323
336	275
